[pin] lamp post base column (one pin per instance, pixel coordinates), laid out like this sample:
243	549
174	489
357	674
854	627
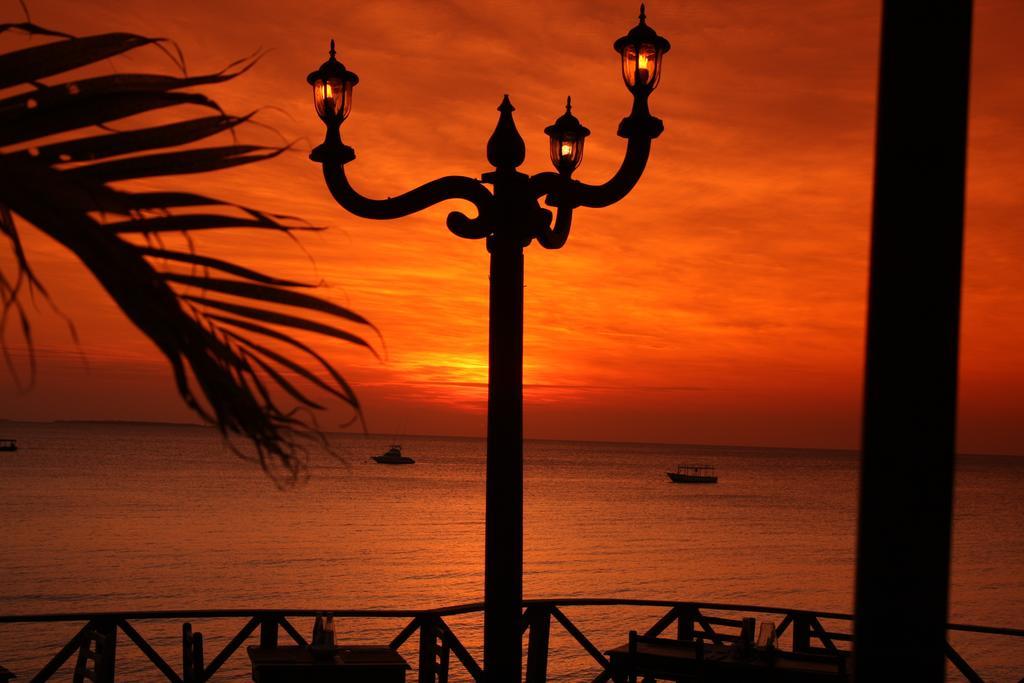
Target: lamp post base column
503	573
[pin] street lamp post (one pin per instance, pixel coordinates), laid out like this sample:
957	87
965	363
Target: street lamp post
509	217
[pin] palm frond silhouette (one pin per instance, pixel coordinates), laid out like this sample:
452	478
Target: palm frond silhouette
214	320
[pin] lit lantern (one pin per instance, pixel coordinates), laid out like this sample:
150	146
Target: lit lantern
332	90
567	135
642	50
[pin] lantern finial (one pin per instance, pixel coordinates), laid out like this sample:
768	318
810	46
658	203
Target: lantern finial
641	51
332	49
506	105
506	149
566	136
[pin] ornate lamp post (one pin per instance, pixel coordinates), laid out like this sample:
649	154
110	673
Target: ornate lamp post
509	217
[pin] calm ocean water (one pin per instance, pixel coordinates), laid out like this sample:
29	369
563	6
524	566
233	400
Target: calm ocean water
115	517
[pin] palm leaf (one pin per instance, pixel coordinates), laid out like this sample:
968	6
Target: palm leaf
272	294
197	222
34	63
116	144
281	336
10	304
60	187
21	123
288	363
282	319
173	163
35	29
217	264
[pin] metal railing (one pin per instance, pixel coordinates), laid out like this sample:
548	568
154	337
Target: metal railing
439	648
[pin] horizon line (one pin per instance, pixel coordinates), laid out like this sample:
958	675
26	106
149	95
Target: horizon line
161	423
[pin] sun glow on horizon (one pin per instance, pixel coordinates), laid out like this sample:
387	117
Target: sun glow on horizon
723	299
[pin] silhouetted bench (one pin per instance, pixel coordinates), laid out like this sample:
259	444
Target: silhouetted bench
695	660
349	663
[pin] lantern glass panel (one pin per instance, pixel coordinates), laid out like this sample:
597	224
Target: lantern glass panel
641	66
566	151
333	98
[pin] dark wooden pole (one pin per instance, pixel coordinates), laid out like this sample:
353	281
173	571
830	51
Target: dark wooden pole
540	636
503	574
912	342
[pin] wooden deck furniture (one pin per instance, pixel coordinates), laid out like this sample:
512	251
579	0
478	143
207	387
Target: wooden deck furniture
651	658
349	664
96	655
440	650
657	657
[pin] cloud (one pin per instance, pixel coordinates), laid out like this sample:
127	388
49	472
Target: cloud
736	269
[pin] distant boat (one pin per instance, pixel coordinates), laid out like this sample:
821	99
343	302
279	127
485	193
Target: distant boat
8	445
694	474
394	457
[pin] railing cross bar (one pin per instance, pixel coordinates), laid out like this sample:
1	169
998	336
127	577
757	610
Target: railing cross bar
662	624
994	630
580	638
58	659
293	632
822	635
962	665
148	650
453	643
708	629
786	621
230	648
841	637
410	628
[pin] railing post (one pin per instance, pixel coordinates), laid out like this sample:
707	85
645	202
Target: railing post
187	674
537	647
684	624
193	665
198	658
106	666
801	633
428	651
443	663
268	631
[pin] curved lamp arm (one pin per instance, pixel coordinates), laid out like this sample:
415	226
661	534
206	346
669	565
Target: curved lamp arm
596	196
638	150
555	238
434	192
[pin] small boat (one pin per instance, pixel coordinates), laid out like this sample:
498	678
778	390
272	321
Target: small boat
8	445
394	457
694	474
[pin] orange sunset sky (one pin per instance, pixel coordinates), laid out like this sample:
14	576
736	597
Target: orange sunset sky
723	301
